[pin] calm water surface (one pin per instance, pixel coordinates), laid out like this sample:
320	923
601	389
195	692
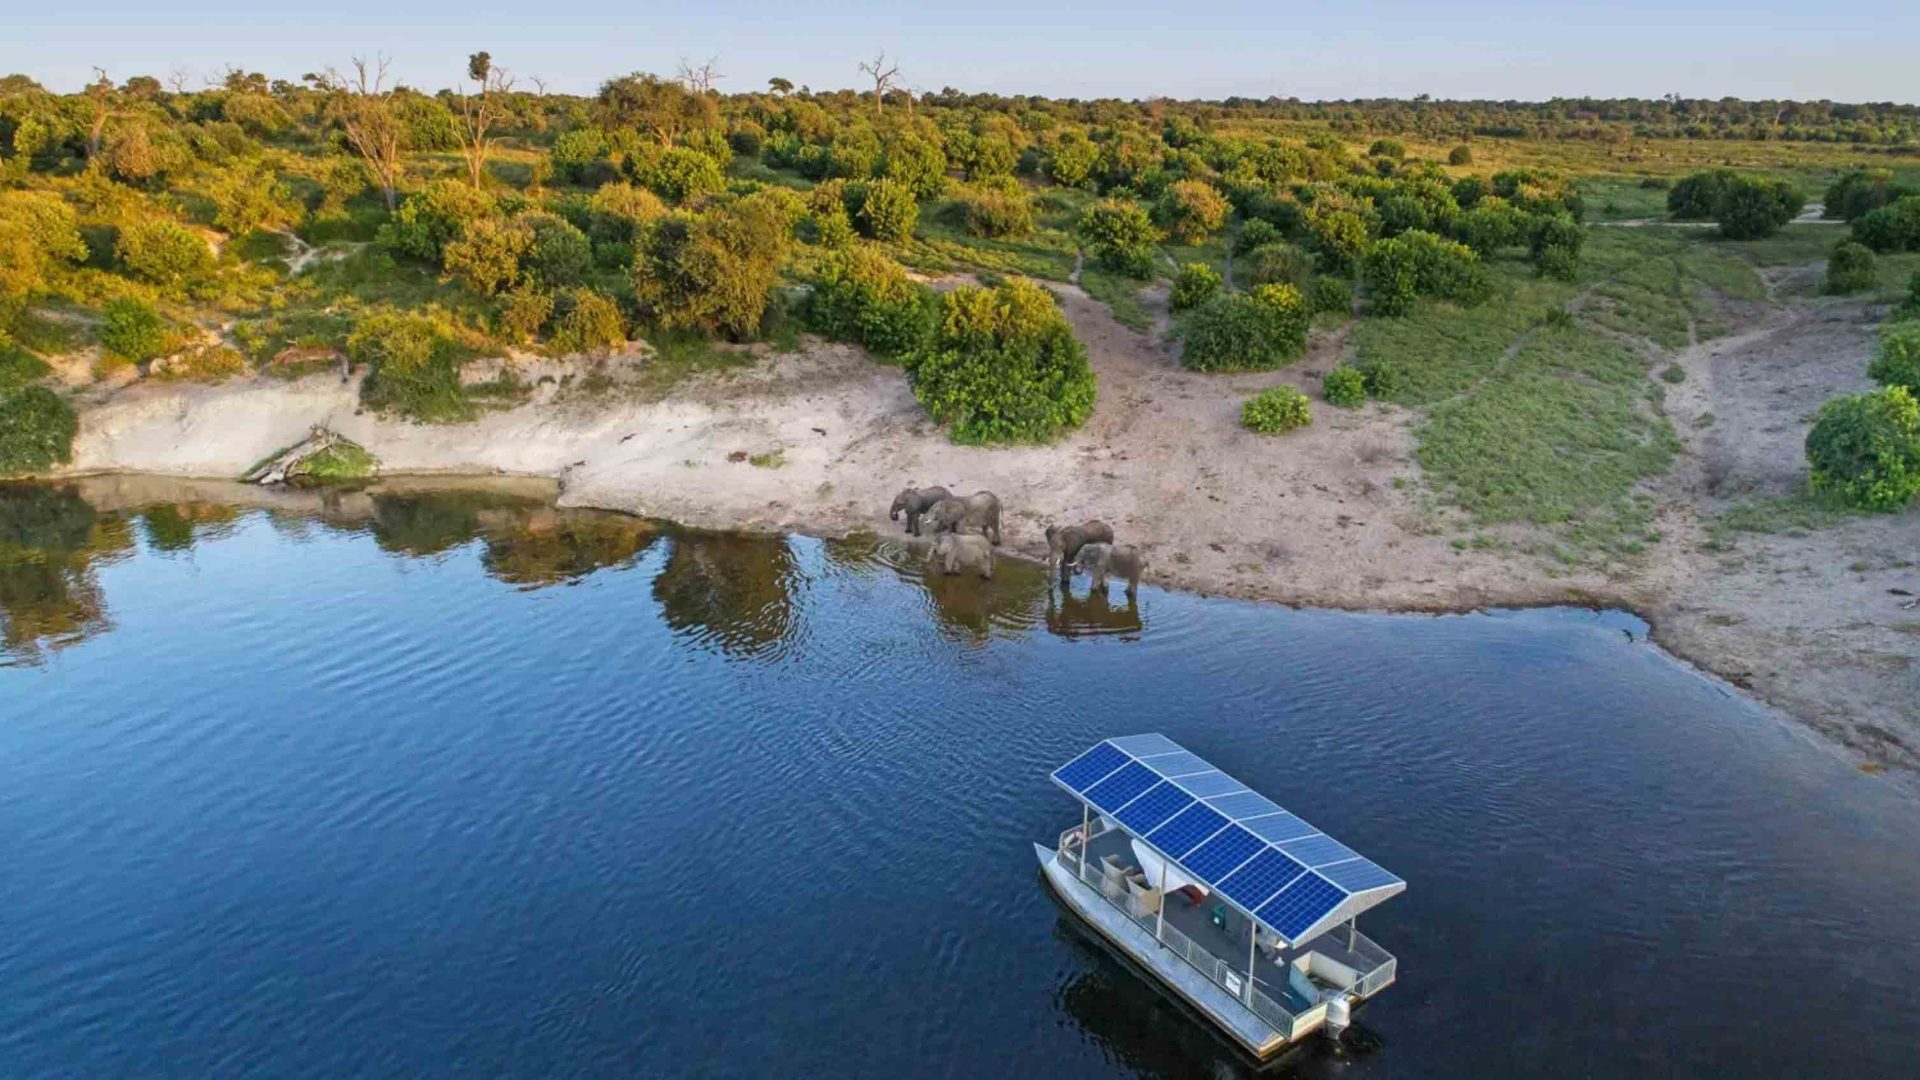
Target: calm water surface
415	784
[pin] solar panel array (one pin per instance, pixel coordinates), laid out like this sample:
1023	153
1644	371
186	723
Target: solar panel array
1286	873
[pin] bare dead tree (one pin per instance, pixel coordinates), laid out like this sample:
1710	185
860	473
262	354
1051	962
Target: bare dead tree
478	112
700	79
100	93
539	85
177	80
363	105
884	78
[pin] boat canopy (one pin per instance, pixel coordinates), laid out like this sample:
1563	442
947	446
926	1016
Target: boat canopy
1283	873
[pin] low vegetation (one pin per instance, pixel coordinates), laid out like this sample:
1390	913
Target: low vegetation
1276	410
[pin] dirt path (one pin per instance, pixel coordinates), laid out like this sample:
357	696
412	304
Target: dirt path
1328	516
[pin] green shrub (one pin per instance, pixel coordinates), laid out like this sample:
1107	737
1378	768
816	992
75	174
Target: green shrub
714	270
1861	191
1254	331
1865	449
889	212
1275	410
1120	236
1381	377
1339	235
1002	365
558	255
1071	158
19	368
522	313
1388	148
201	363
1850	268
1192	210
1419	263
39	239
1344	386
1327	293
580	156
1555	241
1489	226
588	322
486	255
1894	227
1753	208
1460	155
1256	233
996	210
37	427
1897	362
428	123
131	330
1694	198
1279	263
680	174
413	365
916	162
164	252
434	215
863	296
1195	284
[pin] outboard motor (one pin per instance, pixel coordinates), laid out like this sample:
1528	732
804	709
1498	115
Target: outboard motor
1339	1014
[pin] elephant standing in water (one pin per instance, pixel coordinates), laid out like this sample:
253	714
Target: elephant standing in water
1063	545
976	513
915	502
1125	560
954	552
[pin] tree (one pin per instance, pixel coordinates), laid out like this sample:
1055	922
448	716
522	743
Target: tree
649	103
700	80
478	113
1753	208
780	86
1192	210
1003	366
1120	236
885	78
889	212
714	270
363	107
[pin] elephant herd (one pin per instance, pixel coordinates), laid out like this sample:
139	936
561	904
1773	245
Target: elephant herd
967	528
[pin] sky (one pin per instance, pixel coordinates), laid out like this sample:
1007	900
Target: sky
1862	50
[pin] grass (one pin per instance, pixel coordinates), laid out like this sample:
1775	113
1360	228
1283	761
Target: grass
1663	285
772	459
1790	514
1441	350
343	461
1558	436
679	355
1120	294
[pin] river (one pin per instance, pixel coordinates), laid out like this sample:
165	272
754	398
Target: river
412	782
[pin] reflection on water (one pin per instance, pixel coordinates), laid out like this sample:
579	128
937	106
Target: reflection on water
50	542
732	591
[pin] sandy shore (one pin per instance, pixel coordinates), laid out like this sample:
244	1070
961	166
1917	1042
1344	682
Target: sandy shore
1314	519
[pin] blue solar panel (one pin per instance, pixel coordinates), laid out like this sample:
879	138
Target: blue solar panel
1209	784
1186	831
1180	764
1120	789
1147	812
1318	850
1250	885
1219	856
1300	905
1278	827
1089	768
1244	805
1142	745
1357	875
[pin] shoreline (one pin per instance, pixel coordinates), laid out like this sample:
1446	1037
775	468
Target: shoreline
1333	516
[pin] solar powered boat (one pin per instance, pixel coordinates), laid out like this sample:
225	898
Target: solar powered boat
1238	907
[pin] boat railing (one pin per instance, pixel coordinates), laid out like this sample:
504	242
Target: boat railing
1346	958
1231	978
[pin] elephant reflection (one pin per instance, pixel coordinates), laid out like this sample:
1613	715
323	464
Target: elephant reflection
1071	616
733	591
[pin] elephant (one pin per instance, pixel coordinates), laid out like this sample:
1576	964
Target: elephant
1064	544
1125	560
954	552
978	513
916	502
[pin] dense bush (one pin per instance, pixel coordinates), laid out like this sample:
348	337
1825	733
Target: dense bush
131	330
1490	226
1070	160
163	251
588	322
558	255
522	313
680	174
1328	293
1279	263
918	163
1256	233
1694	198
39	240
432	216
1245	331
889	212
1002	365
201	363
1865	449
996	210
412	362
1195	284
1894	227
714	270
1850	268
1554	241
1388	148
19	368
1897	362
1339	235
1421	264
1192	210
1275	410
1460	155
1381	377
37	427
861	295
1752	208
1344	386
1120	236
1860	191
